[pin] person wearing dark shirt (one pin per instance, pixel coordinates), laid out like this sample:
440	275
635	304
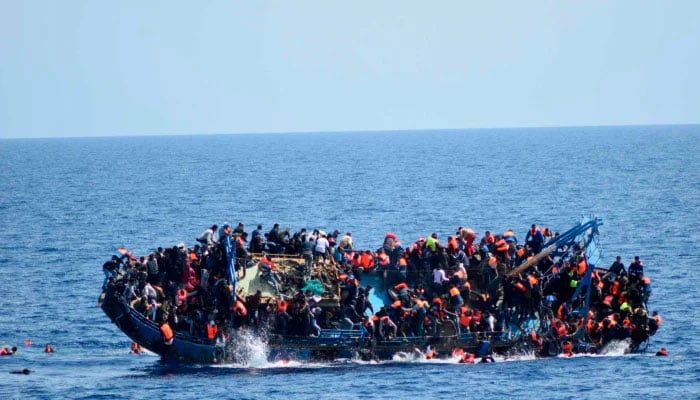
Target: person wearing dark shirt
636	269
617	268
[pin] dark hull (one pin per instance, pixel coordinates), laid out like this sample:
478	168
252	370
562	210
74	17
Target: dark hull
184	348
330	345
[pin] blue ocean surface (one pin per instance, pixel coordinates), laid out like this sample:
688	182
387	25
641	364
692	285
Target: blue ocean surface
67	204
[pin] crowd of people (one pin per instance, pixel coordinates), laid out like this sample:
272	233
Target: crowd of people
461	286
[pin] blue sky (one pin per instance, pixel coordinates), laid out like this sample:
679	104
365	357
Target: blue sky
102	68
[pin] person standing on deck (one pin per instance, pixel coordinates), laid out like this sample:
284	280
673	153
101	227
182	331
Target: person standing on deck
240	229
322	246
273	239
616	270
307	251
346	242
636	270
534	238
242	254
257	240
229	252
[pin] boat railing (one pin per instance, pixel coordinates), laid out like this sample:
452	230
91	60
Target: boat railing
494	337
327	337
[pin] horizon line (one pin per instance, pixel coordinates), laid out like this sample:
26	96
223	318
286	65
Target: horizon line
340	131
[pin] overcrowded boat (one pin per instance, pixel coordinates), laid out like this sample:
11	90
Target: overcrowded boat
312	295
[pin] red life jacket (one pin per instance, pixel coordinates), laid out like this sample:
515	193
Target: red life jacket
212	330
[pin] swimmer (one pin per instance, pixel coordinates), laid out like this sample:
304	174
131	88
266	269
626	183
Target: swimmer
48	348
467	358
662	353
7	351
135	348
21	371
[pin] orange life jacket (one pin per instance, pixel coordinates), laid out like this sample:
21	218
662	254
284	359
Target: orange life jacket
582	268
501	245
281	307
465	319
492	261
166	331
657	317
532	280
454	292
366	261
383	259
615	288
590	325
452	243
561	330
239	309
400	286
567	348
212	330
608	300
181	296
560	311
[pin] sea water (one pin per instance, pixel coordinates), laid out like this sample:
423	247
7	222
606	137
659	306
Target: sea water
67	204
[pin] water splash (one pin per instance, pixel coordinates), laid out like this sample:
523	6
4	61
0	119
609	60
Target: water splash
616	348
247	349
